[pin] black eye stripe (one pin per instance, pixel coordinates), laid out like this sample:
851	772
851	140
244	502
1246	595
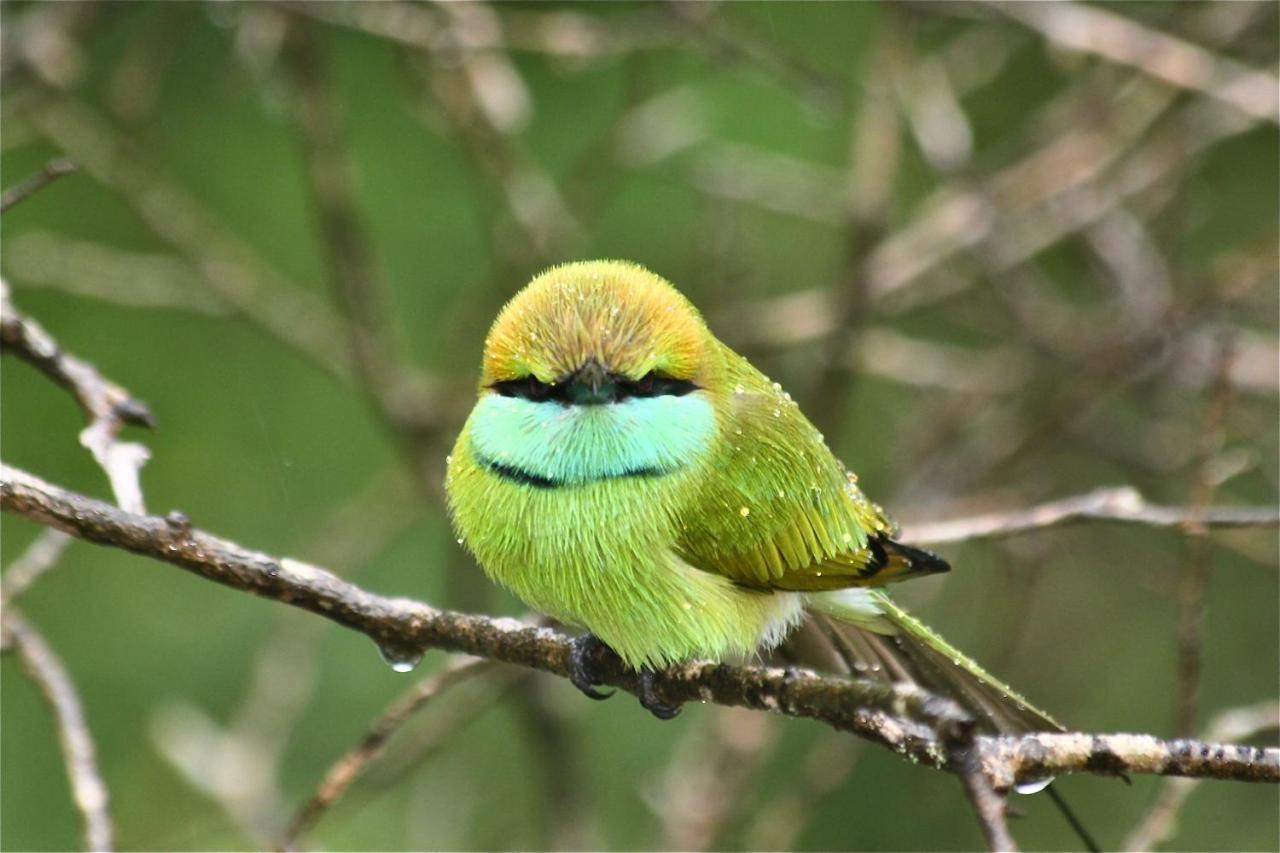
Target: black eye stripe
649	385
652	385
528	388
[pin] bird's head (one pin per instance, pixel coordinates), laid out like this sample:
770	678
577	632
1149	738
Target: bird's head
594	371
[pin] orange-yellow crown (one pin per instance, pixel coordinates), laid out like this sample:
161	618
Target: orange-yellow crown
619	315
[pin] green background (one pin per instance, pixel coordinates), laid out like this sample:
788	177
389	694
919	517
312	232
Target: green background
258	443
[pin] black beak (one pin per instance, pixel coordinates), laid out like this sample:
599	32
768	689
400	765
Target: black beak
593	376
592	385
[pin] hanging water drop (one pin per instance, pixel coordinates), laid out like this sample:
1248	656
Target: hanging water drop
401	658
1033	786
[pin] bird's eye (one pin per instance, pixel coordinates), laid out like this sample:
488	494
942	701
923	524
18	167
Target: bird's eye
653	384
526	387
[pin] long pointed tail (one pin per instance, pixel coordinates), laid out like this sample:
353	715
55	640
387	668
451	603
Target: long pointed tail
863	632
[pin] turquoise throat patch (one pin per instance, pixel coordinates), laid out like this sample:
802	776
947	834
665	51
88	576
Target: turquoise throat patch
550	444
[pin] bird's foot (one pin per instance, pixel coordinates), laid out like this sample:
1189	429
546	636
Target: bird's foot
649	696
582	675
581	670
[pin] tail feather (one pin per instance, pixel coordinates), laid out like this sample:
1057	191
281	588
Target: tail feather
865	634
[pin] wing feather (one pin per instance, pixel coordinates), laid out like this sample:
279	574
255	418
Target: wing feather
780	511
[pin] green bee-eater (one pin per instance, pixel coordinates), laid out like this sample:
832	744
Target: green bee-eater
626	472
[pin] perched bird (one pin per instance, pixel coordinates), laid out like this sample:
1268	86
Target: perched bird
626	472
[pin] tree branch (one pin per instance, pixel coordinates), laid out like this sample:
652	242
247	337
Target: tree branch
51	171
1117	503
55	685
107	407
1171	60
901	717
988	805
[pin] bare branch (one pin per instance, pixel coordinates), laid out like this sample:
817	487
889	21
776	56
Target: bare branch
52	170
1012	759
106	405
988	805
103	272
41	556
1117	503
55	685
1169	59
350	766
901	717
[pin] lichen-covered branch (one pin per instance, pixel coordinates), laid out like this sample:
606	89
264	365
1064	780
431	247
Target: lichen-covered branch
904	718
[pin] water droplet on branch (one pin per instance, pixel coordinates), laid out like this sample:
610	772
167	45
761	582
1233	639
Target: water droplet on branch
401	658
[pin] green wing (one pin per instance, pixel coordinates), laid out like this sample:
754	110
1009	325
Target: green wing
779	511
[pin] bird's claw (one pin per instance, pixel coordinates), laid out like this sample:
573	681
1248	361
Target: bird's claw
582	675
581	671
649	697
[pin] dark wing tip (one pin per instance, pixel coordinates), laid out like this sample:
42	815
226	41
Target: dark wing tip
921	561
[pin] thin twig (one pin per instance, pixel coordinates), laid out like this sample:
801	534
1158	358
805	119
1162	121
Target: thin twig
343	772
55	685
41	556
903	718
1122	504
988	805
51	171
106	406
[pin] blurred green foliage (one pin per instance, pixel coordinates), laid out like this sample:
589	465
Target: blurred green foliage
257	443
